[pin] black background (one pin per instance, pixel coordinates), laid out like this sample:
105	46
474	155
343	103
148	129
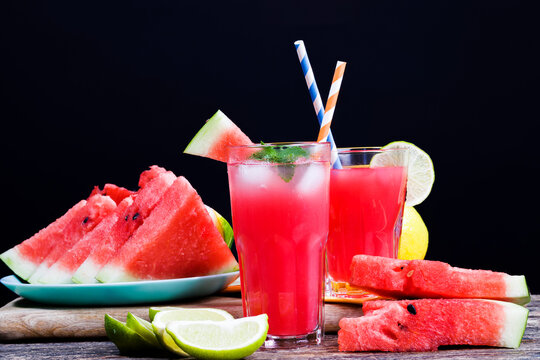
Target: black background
95	92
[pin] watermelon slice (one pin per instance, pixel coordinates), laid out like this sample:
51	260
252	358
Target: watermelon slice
214	138
96	209
155	182
64	268
25	258
426	324
150	174
177	240
116	193
434	279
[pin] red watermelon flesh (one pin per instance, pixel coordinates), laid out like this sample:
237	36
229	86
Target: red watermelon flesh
434	279
96	209
62	271
25	258
426	324
150	174
116	193
128	221
178	239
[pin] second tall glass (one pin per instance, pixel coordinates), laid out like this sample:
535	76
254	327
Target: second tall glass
367	197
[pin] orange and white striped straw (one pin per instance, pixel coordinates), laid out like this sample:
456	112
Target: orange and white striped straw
331	102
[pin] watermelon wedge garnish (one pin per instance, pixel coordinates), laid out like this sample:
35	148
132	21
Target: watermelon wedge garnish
426	324
97	208
214	138
434	279
178	239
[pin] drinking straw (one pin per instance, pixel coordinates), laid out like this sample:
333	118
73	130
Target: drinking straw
315	96
332	100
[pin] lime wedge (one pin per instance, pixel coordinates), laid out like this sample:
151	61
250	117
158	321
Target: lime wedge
143	328
230	339
155	309
162	318
420	172
127	340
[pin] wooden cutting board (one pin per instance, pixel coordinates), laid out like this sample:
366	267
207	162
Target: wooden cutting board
23	319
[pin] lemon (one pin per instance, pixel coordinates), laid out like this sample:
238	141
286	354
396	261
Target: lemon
420	171
127	340
413	243
230	339
163	317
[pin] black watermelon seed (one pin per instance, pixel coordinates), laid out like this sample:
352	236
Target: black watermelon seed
401	268
86	220
411	309
126	218
135	216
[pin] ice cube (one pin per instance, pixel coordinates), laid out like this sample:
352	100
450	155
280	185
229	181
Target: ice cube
311	177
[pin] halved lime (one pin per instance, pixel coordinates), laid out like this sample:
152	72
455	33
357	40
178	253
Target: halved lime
230	339
162	318
420	172
155	309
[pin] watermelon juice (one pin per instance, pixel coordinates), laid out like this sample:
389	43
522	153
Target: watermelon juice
280	221
366	209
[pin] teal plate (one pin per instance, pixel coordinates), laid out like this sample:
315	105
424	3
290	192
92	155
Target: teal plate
136	292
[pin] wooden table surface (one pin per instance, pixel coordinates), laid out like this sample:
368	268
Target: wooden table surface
100	348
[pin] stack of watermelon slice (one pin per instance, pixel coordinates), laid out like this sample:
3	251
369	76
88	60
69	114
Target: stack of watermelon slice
446	306
162	231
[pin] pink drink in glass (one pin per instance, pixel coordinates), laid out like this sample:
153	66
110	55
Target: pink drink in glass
281	228
366	210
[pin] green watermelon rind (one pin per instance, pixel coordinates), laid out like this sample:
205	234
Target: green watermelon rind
515	323
55	275
86	273
517	290
18	264
111	273
202	142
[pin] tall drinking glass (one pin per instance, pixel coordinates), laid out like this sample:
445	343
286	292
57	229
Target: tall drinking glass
367	197
280	203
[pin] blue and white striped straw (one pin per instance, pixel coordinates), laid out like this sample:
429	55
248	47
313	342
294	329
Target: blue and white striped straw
315	96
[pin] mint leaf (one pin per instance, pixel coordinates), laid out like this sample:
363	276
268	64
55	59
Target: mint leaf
286	172
281	155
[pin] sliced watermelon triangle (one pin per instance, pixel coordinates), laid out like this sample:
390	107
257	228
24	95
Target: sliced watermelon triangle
155	184
215	137
24	258
95	210
62	271
426	324
179	239
434	279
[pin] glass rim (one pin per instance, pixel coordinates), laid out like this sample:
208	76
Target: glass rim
283	143
364	149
